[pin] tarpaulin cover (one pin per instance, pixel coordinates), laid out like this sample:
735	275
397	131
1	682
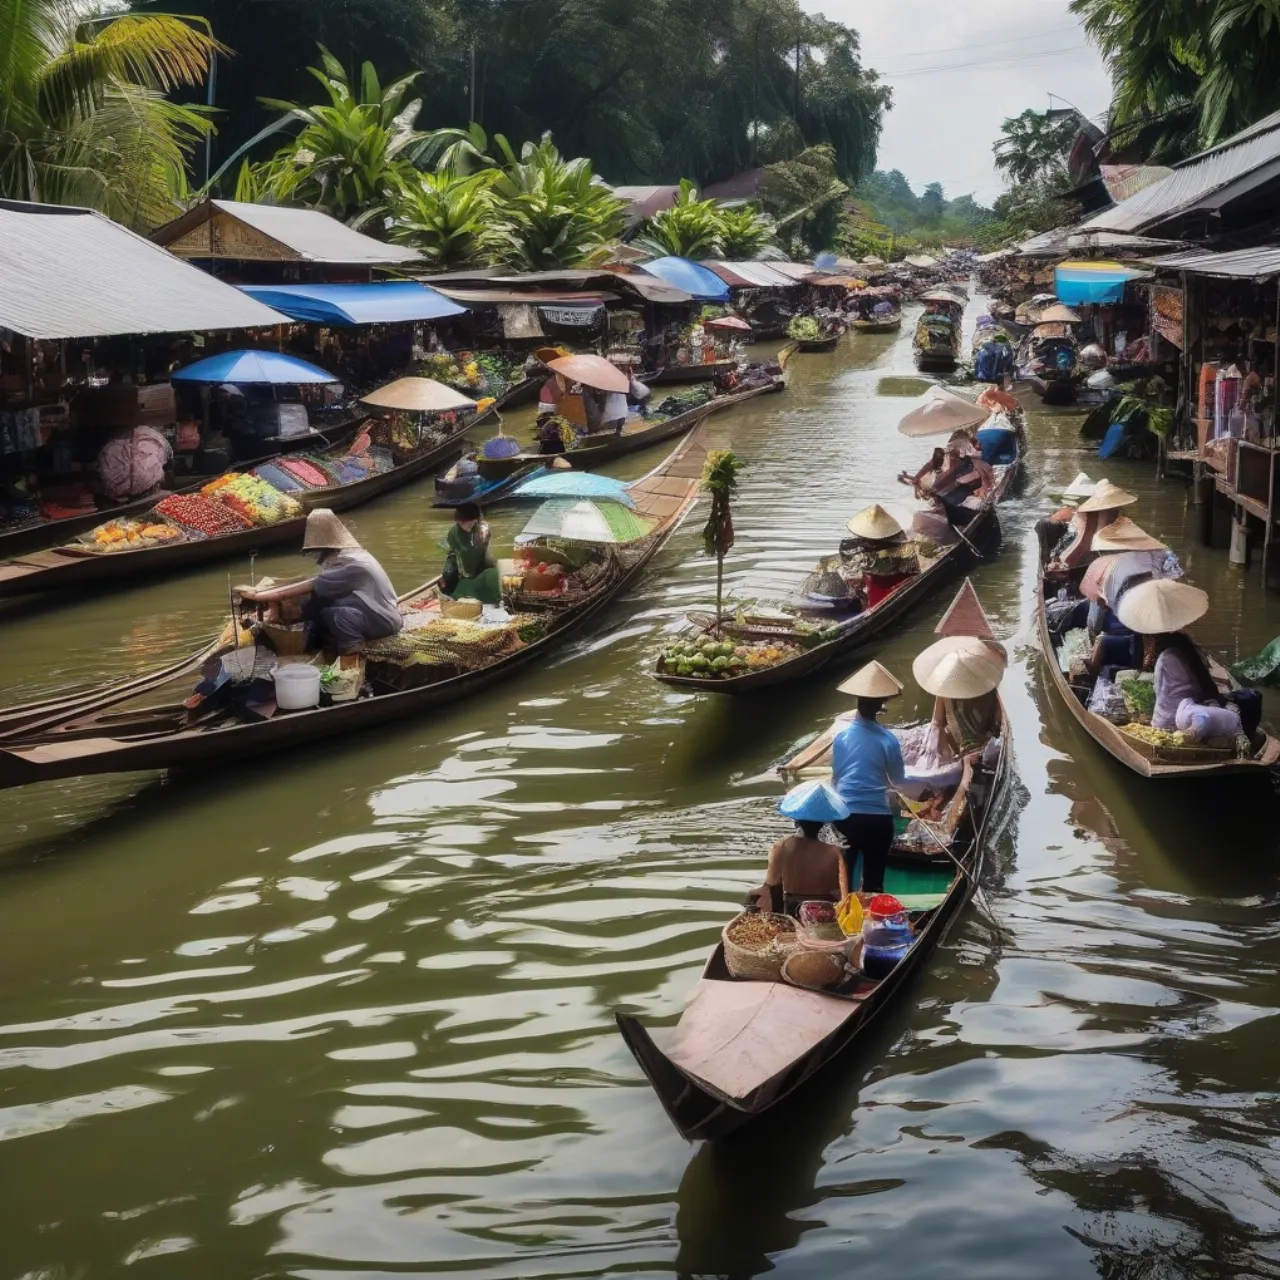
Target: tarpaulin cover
386	302
253	366
1093	282
695	280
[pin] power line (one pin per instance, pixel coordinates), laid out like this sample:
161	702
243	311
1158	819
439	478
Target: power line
1004	63
988	44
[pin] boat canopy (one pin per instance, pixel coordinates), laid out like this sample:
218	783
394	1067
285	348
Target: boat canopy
384	302
273	367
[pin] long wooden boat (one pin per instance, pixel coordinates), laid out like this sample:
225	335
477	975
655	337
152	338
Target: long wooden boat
104	736
1145	760
49	533
62	567
741	1047
860	630
828	343
704	372
890	324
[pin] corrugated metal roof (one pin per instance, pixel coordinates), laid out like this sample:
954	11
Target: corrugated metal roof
526	297
1261	263
71	273
1194	179
1116	240
750	275
1046	244
796	270
1125	180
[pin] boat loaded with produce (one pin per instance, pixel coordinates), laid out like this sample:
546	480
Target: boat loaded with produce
233	699
782	995
884	569
812	335
417	427
1112	617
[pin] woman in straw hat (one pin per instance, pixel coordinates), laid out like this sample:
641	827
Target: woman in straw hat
1095	512
866	761
801	866
1187	697
350	600
879	551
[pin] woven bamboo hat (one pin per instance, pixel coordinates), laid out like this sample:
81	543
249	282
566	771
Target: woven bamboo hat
874	523
959	667
1107	497
325	532
1152	608
872	681
1123	535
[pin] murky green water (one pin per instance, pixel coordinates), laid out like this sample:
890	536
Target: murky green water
349	1012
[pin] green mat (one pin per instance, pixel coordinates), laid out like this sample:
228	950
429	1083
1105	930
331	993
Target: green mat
908	882
895	386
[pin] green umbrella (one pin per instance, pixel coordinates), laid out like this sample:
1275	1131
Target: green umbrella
586	521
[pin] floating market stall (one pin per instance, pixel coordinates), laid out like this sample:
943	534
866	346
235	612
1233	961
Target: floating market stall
683	352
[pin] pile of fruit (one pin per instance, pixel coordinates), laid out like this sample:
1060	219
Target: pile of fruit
1157	737
253	498
760	931
129	535
721	659
804	329
198	514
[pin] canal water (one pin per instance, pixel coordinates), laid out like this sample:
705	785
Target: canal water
348	1011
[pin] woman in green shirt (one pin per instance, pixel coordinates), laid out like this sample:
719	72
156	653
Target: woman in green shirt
469	546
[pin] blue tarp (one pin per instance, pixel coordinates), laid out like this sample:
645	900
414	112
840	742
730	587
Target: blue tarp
253	366
387	302
574	484
697	281
1092	286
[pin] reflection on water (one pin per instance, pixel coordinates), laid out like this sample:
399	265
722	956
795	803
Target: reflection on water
349	1011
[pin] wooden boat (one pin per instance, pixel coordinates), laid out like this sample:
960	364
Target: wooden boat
1144	759
49	533
741	1047
889	324
828	343
523	392
704	372
105	734
494	480
934	349
849	636
72	566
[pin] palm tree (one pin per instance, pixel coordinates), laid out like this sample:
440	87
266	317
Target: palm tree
554	212
1033	146
691	228
744	232
450	219
353	157
83	113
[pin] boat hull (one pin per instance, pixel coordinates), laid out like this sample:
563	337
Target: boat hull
819	344
687	372
891	325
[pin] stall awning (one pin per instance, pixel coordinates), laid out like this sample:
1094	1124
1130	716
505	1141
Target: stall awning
1261	263
695	280
750	275
1093	282
387	302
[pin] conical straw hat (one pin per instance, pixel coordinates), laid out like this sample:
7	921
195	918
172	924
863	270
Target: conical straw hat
1152	608
325	532
965	616
874	523
1079	489
1123	535
872	681
1107	497
958	667
941	414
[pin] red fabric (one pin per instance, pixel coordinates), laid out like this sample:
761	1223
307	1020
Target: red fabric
878	587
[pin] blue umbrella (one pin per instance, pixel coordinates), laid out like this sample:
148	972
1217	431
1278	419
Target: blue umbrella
253	366
695	280
574	484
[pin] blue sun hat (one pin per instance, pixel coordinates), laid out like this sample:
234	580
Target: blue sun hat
813	802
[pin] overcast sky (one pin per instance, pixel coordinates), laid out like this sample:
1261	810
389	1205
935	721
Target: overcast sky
959	70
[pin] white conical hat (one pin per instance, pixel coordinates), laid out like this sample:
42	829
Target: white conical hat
941	413
1107	497
874	523
1152	608
958	667
1123	535
871	681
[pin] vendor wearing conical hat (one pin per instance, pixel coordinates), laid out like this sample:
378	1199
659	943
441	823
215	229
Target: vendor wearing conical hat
866	761
350	600
1097	511
802	866
880	551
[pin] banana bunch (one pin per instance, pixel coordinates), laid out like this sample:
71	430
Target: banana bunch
849	915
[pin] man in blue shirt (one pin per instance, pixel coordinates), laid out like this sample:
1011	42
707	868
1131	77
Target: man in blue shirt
866	761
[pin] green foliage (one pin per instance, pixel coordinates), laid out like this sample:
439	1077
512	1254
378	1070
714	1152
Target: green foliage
691	228
555	212
1034	146
803	329
1187	73
807	199
891	219
450	219
744	232
720	480
83	113
352	158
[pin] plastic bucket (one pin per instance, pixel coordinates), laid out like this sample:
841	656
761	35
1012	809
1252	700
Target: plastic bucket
297	686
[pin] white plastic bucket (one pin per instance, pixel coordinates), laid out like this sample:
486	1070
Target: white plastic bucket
297	686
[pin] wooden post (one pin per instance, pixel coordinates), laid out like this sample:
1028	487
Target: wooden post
1238	553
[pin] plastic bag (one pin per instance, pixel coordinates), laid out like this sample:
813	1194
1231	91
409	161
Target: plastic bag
1108	702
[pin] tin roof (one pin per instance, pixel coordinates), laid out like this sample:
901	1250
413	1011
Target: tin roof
1261	263
72	273
750	275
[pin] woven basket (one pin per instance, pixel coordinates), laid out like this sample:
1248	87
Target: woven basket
795	981
467	610
1179	755
757	966
289	640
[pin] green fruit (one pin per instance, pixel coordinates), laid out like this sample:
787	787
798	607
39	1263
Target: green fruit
720	664
683	669
699	665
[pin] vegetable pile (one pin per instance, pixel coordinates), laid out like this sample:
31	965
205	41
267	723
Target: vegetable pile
804	329
760	932
721	659
1156	737
128	535
253	498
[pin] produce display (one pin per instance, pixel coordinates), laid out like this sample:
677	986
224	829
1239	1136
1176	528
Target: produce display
198	514
489	373
721	659
1139	696
253	498
814	969
126	535
760	932
1157	737
849	915
804	329
818	920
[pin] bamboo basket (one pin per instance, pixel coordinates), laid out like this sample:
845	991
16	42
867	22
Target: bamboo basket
1179	755
288	639
467	610
758	966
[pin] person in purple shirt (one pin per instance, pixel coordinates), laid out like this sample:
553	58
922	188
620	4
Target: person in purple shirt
866	762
